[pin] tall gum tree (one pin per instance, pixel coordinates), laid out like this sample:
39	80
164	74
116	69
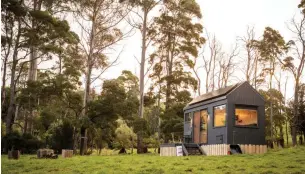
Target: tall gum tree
98	21
295	64
140	19
271	47
51	29
177	39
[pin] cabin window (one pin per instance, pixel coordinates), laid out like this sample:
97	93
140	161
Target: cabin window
188	117
220	116
245	117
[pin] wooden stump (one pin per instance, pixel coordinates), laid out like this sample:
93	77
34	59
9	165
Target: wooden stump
45	153
14	154
66	153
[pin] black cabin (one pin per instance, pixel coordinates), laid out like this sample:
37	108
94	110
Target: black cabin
230	115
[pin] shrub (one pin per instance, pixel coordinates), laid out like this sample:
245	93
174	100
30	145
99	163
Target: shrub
12	141
31	144
62	137
25	143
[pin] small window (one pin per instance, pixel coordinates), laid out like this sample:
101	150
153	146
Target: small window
246	117
188	117
220	116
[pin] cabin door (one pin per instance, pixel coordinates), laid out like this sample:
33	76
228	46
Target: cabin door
204	126
200	127
196	127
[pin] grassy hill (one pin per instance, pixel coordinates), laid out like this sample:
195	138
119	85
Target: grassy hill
291	160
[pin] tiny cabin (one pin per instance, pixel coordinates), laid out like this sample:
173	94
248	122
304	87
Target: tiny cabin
234	115
230	115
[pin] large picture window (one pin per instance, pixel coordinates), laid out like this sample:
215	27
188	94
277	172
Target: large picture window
245	117
220	116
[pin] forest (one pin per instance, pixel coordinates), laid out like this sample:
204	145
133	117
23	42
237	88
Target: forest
58	106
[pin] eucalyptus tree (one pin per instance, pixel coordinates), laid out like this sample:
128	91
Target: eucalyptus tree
99	23
177	38
20	38
140	20
215	53
227	66
271	47
295	64
251	58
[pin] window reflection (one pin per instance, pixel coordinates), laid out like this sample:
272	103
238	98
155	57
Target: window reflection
220	116
245	117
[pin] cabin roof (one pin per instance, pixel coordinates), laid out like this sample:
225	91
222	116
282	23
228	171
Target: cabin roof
214	94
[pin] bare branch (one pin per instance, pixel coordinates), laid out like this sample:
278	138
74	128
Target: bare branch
113	63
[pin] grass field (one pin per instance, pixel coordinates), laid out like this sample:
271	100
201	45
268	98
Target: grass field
291	160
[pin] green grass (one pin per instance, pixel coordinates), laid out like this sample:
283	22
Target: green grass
291	160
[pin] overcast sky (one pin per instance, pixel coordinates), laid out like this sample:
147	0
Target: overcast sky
227	19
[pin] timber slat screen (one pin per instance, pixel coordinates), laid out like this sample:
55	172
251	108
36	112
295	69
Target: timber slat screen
219	149
168	151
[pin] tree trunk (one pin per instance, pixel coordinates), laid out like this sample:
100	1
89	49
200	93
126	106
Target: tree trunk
33	54
131	144
83	144
220	75
295	113
207	83
255	73
25	127
142	68
33	65
271	108
140	147
3	92
159	119
142	64
286	120
4	80
30	121
287	132
91	149
74	140
83	141
83	131
9	116
198	80
169	63
213	72
248	64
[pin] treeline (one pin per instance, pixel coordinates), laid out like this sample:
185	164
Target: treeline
52	108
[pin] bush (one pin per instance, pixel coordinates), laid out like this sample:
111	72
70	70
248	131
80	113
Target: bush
62	137
31	144
12	141
25	143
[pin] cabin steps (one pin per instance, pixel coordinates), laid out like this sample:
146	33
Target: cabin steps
192	149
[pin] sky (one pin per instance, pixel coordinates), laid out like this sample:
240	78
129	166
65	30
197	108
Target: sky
227	19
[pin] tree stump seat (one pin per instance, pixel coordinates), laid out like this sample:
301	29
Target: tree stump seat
66	153
14	154
46	153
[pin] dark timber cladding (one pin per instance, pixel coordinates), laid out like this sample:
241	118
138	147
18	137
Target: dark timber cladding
230	115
